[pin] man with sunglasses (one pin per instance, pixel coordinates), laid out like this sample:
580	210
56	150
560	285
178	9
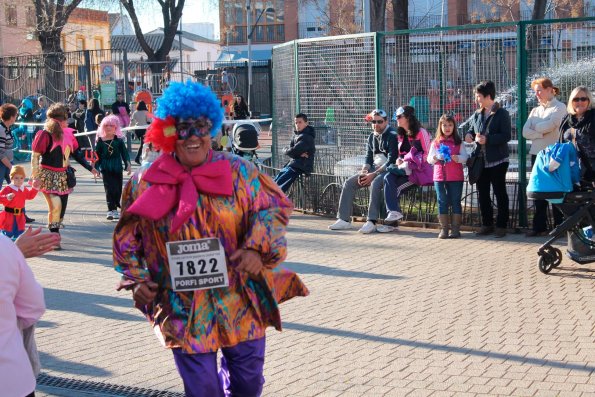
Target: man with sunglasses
381	150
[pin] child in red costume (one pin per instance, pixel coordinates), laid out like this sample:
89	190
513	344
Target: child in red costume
13	196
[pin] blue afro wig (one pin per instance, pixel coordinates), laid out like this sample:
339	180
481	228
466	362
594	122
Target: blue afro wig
190	100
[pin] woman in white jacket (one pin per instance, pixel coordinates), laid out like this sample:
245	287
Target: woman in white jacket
542	129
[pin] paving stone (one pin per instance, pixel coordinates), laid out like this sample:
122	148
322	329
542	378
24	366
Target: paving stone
394	314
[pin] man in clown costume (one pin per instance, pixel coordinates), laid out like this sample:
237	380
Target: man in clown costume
199	243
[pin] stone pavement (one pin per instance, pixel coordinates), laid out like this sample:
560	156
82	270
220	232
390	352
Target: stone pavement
389	315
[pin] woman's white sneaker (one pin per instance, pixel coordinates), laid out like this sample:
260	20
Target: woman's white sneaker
110	215
369	227
340	225
393	216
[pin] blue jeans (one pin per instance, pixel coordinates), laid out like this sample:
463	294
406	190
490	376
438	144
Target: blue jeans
4	174
394	187
449	195
286	177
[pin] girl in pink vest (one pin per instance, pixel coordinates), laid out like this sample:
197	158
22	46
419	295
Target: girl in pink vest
448	156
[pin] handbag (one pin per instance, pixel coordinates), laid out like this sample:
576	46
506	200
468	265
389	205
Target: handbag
422	173
475	166
70	177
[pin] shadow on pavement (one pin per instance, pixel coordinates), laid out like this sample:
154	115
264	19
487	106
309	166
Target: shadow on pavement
89	304
308	268
438	347
76	368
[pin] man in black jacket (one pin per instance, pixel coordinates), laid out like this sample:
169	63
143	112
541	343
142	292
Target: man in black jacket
301	150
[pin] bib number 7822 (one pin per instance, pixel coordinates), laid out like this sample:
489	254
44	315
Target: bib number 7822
201	264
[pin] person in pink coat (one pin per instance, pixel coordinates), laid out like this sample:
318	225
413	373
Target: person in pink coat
21	305
13	197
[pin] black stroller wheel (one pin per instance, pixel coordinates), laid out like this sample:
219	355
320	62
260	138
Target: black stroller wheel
558	254
546	264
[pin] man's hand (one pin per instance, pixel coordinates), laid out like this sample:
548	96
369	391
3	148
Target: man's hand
95	173
129	169
144	293
33	243
481	139
305	155
366	180
249	261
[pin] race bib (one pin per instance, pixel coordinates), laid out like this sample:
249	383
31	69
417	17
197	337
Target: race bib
197	264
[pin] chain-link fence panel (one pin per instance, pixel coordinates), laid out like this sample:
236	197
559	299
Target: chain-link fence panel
337	88
284	92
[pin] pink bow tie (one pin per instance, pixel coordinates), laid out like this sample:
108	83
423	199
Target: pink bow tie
172	185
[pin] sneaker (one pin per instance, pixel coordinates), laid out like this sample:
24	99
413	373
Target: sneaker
393	216
386	228
110	215
340	225
368	228
116	214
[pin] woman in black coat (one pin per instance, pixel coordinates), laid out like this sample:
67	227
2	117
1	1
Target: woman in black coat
490	128
240	109
579	125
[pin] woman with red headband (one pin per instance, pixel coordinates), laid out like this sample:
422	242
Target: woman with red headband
52	148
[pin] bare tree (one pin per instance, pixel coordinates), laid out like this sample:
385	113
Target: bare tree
377	15
172	12
51	17
400	14
338	19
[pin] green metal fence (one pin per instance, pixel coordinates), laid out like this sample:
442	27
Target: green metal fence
337	80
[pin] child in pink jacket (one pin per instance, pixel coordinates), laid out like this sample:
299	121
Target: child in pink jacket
448	156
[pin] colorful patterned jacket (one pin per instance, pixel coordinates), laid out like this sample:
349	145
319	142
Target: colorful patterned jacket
254	217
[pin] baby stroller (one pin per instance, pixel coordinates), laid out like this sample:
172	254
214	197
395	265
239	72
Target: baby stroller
244	142
555	177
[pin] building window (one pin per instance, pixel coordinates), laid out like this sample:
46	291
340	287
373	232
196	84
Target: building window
99	43
33	69
80	43
31	17
13	68
11	14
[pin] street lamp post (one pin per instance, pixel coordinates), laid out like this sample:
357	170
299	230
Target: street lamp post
250	29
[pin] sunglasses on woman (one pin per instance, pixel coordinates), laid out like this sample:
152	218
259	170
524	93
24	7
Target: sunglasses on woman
198	128
580	99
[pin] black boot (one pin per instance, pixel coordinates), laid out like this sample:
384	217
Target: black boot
29	220
55	228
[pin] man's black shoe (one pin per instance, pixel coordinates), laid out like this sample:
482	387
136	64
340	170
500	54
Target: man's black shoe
485	230
499	232
533	233
29	220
